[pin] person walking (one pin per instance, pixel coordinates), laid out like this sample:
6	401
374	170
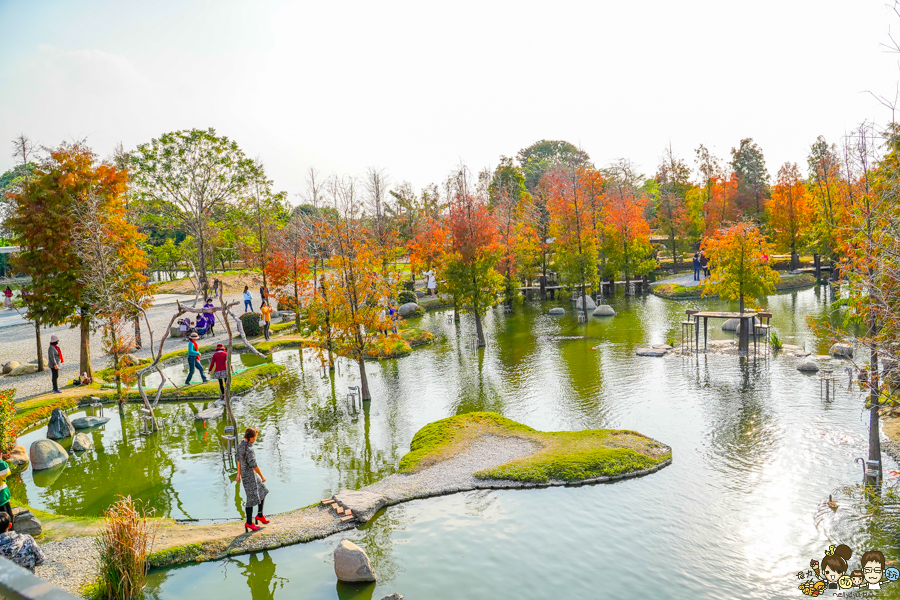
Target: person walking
252	479
7	298
704	263
194	359
263	293
266	312
215	288
54	360
248	299
696	266
218	367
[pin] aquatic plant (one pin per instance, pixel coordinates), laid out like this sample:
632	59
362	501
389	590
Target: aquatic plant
124	547
777	342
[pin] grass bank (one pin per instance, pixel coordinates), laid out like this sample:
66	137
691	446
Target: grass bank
564	456
676	291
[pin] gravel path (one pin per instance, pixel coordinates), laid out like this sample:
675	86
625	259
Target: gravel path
18	343
71	563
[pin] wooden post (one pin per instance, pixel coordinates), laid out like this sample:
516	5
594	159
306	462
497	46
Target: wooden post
817	263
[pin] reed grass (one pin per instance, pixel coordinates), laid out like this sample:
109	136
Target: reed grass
124	546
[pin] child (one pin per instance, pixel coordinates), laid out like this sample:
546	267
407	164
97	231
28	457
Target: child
5	494
857	577
18	547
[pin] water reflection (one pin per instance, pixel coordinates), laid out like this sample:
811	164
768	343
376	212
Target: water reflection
259	569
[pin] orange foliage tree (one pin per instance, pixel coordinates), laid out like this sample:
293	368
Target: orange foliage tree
628	242
738	264
721	207
473	252
789	211
288	268
426	250
43	225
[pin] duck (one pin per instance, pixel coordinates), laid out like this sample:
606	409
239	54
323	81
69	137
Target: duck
831	503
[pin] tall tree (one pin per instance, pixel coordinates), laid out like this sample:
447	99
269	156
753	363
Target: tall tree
673	178
749	166
570	216
827	195
721	209
192	175
629	237
790	215
289	266
547	155
263	212
473	252
43	224
508	197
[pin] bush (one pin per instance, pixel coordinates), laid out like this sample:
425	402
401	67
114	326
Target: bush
7	420
124	545
406	296
250	323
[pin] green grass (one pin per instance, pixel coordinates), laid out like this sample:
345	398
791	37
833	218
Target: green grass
176	555
240	383
562	455
675	290
793	282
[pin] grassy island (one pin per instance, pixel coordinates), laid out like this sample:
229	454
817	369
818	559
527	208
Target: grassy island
563	455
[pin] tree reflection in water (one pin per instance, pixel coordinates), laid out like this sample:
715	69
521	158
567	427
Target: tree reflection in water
260	573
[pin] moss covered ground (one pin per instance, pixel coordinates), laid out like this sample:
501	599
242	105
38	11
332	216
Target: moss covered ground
564	456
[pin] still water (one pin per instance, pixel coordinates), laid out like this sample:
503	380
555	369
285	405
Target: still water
756	449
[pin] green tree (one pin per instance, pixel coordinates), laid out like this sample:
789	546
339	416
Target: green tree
739	268
749	165
507	198
264	212
673	220
192	175
547	155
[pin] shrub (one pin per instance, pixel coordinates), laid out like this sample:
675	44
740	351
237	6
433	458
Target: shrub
7	420
250	323
124	545
406	296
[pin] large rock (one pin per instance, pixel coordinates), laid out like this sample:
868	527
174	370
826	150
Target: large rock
25	522
557	310
88	422
351	563
604	310
213	412
46	454
732	324
582	300
407	309
363	504
23	370
59	426
18	456
841	350
8	367
393	597
82	442
808	366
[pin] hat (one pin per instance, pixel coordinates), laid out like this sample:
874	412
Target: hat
194	336
53	338
220	347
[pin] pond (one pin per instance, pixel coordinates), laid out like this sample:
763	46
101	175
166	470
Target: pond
757	451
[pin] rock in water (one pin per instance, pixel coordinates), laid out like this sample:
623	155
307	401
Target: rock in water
604	310
46	454
841	350
213	412
732	324
18	456
351	563
8	367
651	352
88	422
59	426
557	310
591	305
363	504
82	442
25	522
393	597
407	309
808	366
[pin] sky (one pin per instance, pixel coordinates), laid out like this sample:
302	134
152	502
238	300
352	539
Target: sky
416	88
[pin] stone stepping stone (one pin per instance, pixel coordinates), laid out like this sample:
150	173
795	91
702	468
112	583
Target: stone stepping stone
656	352
213	412
87	422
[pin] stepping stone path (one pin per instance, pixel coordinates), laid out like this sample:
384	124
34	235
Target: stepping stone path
651	352
604	310
808	366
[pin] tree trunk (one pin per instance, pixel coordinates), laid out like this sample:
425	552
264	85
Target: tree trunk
85	358
674	257
874	400
363	380
479	331
115	353
40	351
297	307
228	411
137	332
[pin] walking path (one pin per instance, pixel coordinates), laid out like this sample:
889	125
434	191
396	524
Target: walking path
687	280
71	563
17	342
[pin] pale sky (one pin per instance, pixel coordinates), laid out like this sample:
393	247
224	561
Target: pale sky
417	87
